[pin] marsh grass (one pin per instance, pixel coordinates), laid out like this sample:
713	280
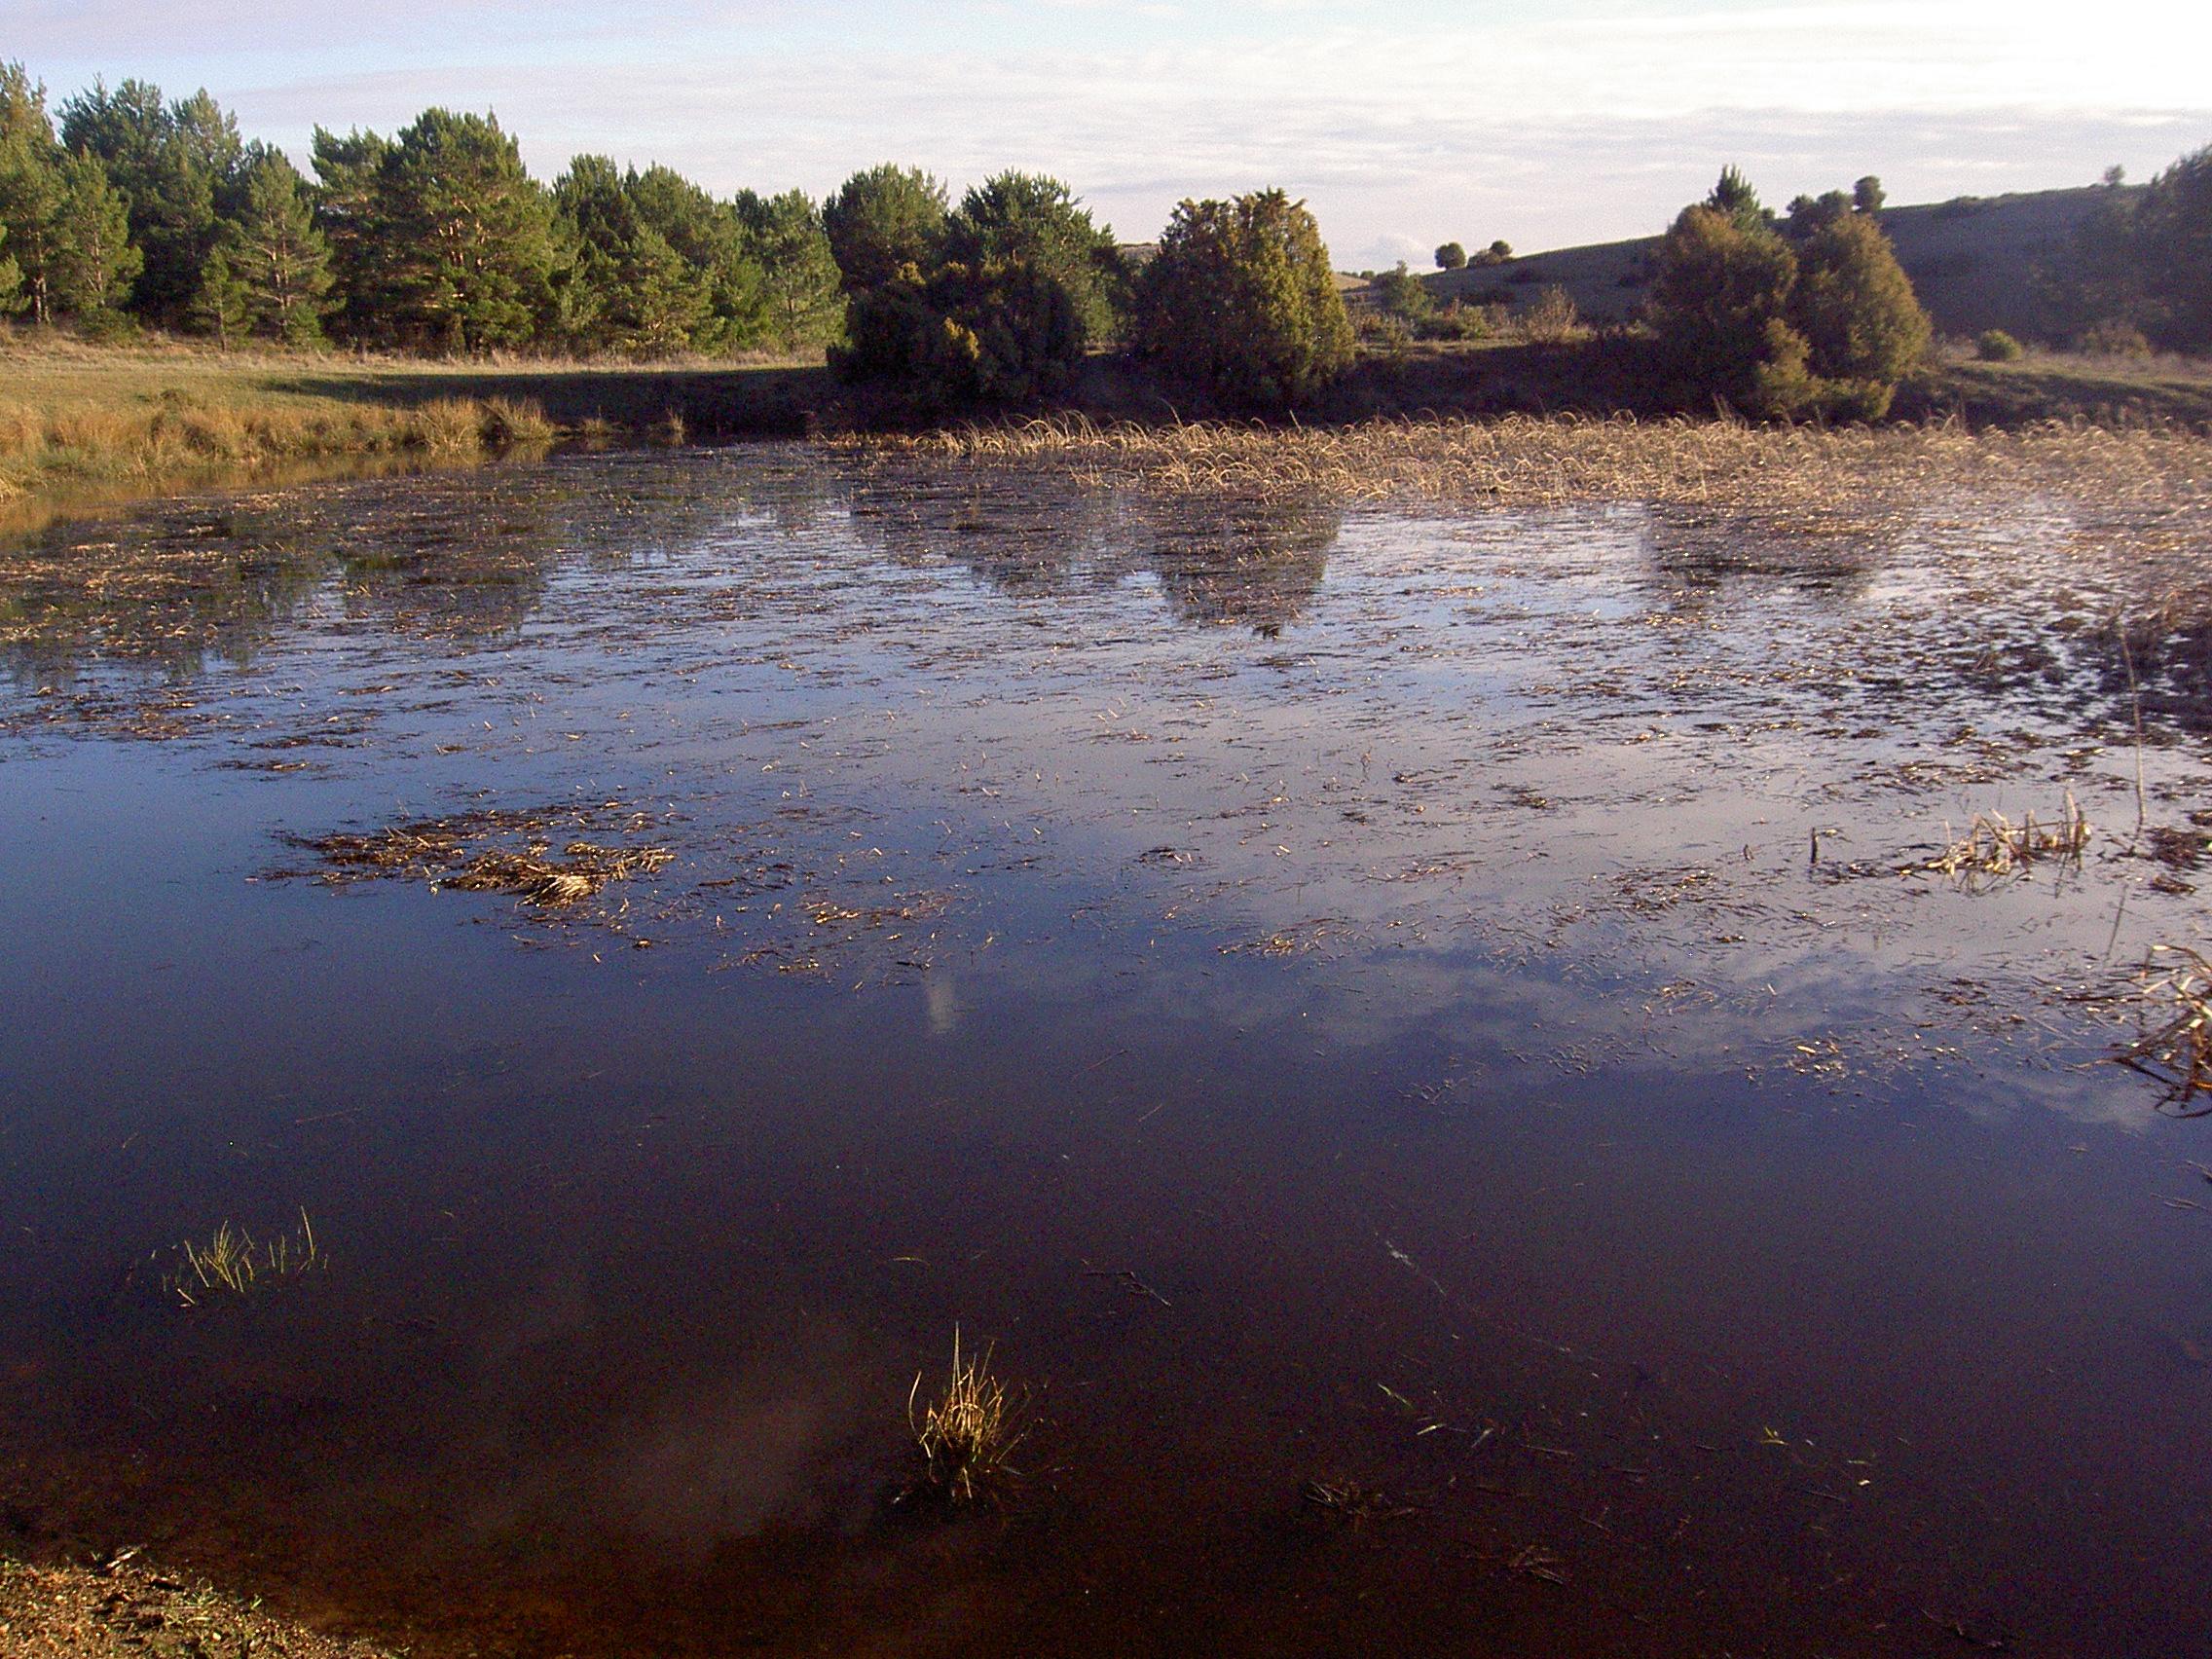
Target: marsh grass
1806	473
232	1262
967	1432
1993	847
2172	998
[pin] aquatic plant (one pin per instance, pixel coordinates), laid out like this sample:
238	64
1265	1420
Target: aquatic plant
1996	846
967	1433
2172	996
232	1262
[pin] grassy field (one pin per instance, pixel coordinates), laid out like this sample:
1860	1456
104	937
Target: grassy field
78	420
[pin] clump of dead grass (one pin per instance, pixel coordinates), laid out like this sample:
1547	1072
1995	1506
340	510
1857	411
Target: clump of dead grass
2172	996
967	1432
1993	847
232	1262
453	852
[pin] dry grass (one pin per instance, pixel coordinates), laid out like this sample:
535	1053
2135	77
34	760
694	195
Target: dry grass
451	852
1995	847
233	1263
2172	997
1520	461
967	1433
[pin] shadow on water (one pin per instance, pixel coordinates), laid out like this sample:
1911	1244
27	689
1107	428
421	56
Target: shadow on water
1339	997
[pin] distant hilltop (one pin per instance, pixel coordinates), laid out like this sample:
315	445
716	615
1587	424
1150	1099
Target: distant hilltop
1974	262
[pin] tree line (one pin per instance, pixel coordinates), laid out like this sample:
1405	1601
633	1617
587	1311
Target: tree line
122	208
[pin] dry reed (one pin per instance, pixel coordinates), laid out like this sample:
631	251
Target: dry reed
967	1432
1996	847
232	1262
2173	1002
1530	461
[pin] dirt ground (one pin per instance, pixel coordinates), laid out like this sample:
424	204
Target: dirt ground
132	1607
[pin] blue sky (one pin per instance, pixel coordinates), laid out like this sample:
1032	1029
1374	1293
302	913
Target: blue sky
1404	124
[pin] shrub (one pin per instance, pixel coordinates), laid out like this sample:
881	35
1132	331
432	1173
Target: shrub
1549	319
1829	326
1240	298
1003	332
1995	346
2115	338
1451	257
1404	295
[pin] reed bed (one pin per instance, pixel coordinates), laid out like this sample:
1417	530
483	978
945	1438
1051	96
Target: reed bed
451	853
1531	460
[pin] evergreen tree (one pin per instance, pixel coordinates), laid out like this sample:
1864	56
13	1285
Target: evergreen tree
1451	257
350	211
173	164
632	291
1029	219
1858	312
1241	298
220	306
712	239
1733	195
30	188
1867	195
12	298
2169	246
883	219
470	248
1718	293
801	281
94	263
274	251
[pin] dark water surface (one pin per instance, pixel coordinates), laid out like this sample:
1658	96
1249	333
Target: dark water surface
1415	1000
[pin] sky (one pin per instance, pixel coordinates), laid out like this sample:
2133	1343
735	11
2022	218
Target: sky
1403	124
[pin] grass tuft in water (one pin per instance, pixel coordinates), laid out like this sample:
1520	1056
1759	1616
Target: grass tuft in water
1996	847
967	1433
2173	1000
232	1262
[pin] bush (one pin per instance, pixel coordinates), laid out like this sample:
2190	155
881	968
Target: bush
1451	257
1004	332
1829	326
1549	319
2115	338
1995	346
1240	299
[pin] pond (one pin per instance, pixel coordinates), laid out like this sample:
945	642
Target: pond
1434	1048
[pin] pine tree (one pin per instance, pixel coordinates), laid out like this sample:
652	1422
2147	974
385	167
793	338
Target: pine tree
349	211
280	259
30	186
177	164
94	263
881	219
220	306
11	299
803	288
1037	221
469	234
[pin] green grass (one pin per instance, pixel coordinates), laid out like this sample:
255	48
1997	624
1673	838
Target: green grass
78	419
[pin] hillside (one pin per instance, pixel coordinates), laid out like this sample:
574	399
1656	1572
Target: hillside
1973	260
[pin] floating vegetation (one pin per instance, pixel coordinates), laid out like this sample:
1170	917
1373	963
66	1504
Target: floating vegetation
232	1262
967	1432
2173	1001
1351	1502
449	852
1995	847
